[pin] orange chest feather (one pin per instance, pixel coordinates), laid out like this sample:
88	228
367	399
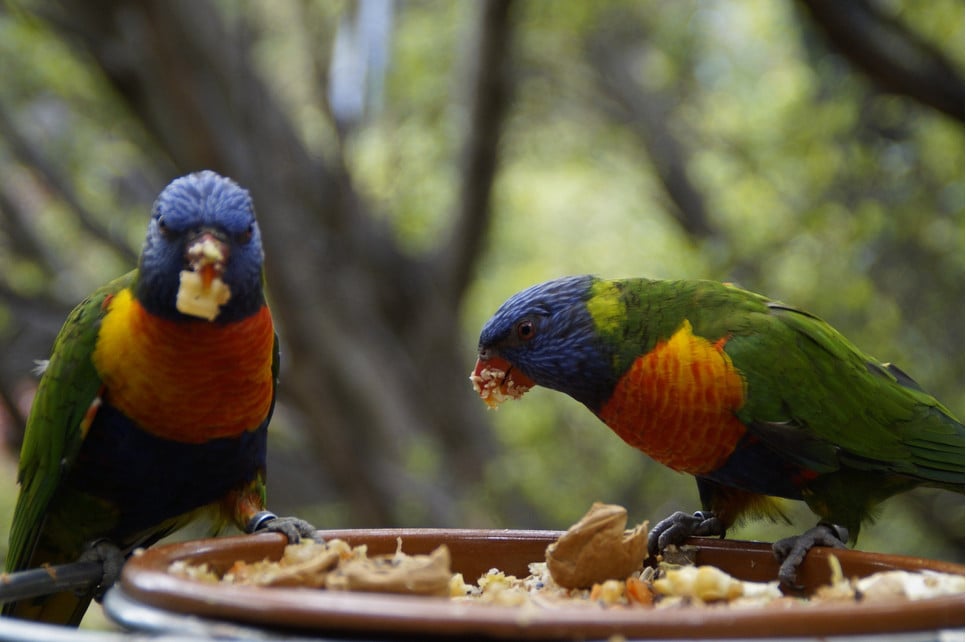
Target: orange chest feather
186	381
677	403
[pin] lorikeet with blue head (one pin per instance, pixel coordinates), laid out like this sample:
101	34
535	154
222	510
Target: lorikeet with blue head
155	403
752	397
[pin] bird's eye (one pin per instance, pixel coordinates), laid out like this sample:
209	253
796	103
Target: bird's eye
525	330
164	228
244	237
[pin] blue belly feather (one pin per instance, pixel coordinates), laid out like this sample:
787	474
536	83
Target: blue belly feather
150	479
757	468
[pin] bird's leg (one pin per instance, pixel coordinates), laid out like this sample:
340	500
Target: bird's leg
680	526
791	551
111	559
247	506
292	527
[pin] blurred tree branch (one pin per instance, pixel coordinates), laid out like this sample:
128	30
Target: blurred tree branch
23	241
488	92
889	53
28	153
646	110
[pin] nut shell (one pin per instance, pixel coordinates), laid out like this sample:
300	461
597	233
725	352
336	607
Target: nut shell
597	549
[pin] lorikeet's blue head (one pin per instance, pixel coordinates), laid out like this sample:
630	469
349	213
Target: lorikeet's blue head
203	253
546	336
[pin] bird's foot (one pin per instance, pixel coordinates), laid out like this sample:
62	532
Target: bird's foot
791	551
680	526
292	527
111	559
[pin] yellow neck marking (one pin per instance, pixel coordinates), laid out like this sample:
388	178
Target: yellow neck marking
606	307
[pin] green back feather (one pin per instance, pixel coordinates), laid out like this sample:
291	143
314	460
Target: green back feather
810	391
53	437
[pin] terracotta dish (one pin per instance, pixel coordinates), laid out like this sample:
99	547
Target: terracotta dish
145	581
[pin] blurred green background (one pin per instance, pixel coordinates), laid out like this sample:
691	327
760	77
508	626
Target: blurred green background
414	163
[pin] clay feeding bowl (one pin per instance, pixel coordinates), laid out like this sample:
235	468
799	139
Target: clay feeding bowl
146	582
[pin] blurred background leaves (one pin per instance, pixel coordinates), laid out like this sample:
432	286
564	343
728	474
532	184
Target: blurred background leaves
416	162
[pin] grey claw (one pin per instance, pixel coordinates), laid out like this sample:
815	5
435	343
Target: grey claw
791	551
680	526
292	527
111	559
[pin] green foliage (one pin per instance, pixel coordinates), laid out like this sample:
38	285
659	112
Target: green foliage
69	120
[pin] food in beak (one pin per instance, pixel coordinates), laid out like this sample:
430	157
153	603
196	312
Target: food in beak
201	292
495	380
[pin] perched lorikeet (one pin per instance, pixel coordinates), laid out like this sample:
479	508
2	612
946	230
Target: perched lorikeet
754	398
156	399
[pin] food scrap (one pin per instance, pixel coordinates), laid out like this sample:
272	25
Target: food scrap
336	566
709	584
197	299
597	549
495	382
399	573
888	585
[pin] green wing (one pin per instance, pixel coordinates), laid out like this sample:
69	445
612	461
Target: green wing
814	395
69	386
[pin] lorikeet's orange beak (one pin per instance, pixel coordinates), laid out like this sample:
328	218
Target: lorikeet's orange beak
201	292
207	256
495	380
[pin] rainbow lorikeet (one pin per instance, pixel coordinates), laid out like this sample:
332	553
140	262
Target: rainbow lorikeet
754	398
156	399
